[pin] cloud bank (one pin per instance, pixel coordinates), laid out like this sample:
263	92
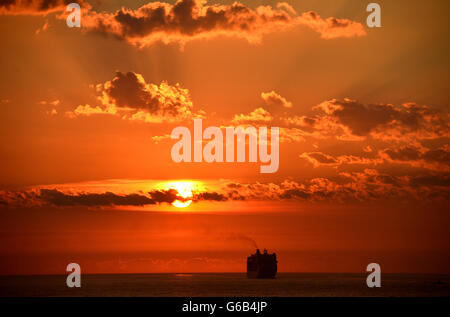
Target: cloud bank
360	186
188	20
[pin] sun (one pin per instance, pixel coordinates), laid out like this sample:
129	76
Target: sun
184	190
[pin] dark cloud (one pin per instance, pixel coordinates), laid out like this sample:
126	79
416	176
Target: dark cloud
294	193
129	96
36	7
412	155
166	196
57	198
187	20
435	180
441	155
360	118
352	120
435	159
184	21
209	196
318	159
234	185
368	185
406	153
131	90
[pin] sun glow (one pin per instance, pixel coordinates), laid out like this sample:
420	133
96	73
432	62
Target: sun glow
184	189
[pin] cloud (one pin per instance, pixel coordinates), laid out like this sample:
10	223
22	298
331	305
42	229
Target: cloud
57	198
26	198
257	115
274	99
290	135
42	28
214	196
318	159
50	103
321	159
188	20
419	156
416	156
364	186
361	186
129	96
52	111
332	28
351	120
60	198
88	110
166	196
36	7
159	138
431	180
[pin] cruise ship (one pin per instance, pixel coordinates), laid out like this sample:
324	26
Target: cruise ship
262	265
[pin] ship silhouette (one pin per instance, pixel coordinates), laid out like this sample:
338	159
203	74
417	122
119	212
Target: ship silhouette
262	265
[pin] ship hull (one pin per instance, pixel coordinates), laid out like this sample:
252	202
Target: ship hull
262	274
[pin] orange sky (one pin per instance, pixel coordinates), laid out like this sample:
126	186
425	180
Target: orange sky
86	114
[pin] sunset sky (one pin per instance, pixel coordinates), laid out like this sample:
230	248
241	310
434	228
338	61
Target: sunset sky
86	173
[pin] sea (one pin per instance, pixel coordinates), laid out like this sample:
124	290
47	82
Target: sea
226	285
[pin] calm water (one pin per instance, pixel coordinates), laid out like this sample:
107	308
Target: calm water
226	284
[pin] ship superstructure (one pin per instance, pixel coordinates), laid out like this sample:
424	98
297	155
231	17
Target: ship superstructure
262	265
